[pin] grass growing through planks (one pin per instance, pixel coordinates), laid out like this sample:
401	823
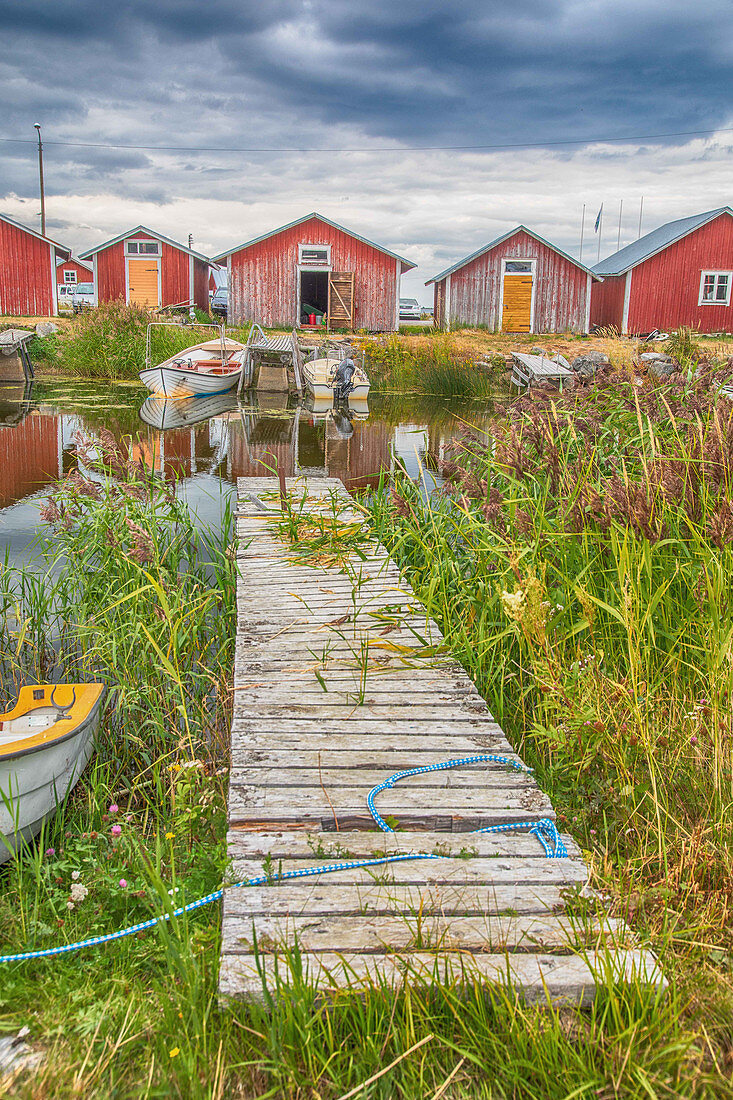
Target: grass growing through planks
127	596
581	568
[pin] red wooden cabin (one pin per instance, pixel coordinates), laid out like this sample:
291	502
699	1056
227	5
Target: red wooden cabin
312	270
27	270
144	267
518	283
679	274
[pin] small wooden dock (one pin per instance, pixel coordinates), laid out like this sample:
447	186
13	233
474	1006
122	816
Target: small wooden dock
340	681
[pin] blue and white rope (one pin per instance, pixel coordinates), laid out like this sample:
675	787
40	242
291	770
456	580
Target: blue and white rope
544	829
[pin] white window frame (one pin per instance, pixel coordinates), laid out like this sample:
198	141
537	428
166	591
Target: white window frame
142	255
69	277
714	301
310	265
532	272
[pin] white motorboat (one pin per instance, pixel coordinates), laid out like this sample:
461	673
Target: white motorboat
204	369
183	412
319	375
45	743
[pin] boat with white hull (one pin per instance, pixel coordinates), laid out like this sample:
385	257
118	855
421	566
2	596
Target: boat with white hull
319	376
46	741
203	369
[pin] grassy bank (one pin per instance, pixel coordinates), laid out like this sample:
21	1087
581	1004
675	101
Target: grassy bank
581	567
109	342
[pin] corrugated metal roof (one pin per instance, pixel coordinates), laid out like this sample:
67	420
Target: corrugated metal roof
499	240
662	237
407	265
151	233
35	233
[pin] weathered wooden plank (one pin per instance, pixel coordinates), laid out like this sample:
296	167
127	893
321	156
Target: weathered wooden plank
438	871
540	978
314	897
370	767
364	778
420	932
418	746
311	847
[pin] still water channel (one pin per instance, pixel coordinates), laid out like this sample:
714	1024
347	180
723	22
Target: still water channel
204	444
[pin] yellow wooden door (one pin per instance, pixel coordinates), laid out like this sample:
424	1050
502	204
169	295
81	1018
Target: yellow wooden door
143	281
516	313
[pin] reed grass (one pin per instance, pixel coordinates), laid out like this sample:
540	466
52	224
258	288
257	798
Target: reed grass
580	565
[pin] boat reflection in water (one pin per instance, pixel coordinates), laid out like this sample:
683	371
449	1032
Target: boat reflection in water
182	412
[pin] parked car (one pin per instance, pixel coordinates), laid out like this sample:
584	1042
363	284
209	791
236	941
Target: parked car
83	297
409	309
220	301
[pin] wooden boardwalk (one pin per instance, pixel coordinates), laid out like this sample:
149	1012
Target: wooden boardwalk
337	686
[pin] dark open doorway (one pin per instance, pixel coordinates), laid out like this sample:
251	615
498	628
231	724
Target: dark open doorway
313	296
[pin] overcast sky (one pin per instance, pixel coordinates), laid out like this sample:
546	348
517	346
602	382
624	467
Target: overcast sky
382	79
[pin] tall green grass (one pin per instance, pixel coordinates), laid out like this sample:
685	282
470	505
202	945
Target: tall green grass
109	341
435	369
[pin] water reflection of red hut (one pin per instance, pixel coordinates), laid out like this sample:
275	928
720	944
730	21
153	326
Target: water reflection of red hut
266	443
359	460
29	457
173	453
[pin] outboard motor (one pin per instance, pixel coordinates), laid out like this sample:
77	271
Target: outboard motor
343	384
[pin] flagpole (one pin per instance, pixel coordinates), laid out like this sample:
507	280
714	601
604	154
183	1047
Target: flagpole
600	231
641	208
582	230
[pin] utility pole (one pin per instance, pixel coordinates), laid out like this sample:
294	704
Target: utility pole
37	126
641	211
190	240
582	231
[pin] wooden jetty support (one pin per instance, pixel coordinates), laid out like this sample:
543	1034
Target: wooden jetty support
340	681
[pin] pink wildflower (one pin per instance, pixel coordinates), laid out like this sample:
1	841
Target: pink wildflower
693	740
123	883
114	809
116	830
50	851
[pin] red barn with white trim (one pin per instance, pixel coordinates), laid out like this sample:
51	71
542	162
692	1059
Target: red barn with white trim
147	268
27	270
72	271
517	283
679	274
311	269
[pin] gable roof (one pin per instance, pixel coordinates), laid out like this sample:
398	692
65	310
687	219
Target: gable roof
407	265
500	240
34	233
74	260
635	253
151	233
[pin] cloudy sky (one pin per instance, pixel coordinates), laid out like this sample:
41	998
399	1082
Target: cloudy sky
228	118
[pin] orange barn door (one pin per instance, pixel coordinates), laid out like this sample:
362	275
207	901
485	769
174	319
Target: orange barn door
143	282
516	312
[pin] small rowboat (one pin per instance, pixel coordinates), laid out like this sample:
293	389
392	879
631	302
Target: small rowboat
319	374
45	743
203	369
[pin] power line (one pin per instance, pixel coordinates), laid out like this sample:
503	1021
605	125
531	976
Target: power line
366	149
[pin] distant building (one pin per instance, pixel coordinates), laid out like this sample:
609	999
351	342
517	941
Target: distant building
517	283
28	270
310	270
147	268
69	275
679	274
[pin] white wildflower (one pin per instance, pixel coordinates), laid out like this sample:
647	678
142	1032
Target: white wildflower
69	905
513	603
78	891
75	875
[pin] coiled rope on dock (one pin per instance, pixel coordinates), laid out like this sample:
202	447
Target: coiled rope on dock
544	829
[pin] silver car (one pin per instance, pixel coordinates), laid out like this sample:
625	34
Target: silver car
409	309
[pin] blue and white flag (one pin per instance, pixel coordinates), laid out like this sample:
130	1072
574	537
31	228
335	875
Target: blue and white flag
598	219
